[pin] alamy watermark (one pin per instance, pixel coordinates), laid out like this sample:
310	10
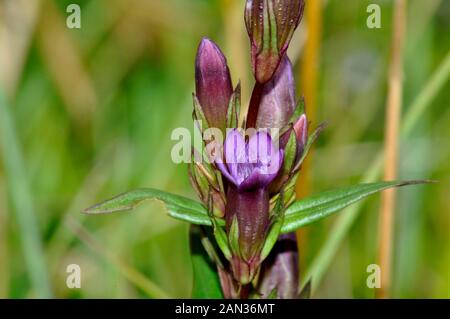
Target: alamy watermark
374	19
73	280
374	279
73	20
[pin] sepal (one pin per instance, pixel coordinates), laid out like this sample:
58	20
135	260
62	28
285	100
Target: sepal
234	108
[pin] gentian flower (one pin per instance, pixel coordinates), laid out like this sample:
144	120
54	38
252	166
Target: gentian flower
249	168
250	165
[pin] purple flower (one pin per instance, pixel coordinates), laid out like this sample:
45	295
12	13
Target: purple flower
250	165
213	83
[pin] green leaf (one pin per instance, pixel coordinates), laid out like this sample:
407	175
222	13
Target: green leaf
219	233
275	228
178	207
198	114
206	280
299	110
306	291
233	237
290	152
309	210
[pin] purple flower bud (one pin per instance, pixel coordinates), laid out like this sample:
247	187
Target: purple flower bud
270	25
278	98
251	165
301	131
280	270
213	83
251	211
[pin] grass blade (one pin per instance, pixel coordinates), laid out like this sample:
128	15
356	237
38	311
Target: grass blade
130	273
206	281
22	202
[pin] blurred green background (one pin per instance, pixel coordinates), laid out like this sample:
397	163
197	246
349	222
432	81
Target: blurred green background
88	113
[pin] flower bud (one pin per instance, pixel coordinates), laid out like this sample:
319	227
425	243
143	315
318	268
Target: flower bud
278	98
270	26
250	210
280	270
213	83
301	133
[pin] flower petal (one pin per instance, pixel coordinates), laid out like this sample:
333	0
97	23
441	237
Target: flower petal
224	170
235	156
262	176
261	148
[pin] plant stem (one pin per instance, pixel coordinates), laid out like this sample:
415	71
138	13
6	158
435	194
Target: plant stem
244	291
253	108
392	122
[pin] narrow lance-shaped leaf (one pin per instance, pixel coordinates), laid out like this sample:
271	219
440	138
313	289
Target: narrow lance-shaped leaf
312	209
178	207
275	227
206	281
